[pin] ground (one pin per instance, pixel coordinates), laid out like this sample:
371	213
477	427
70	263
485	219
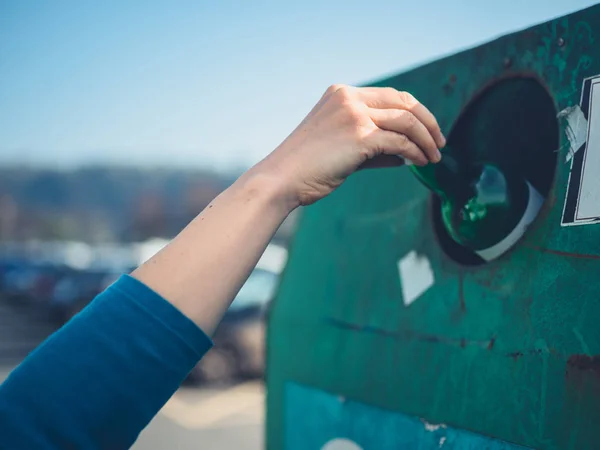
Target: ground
220	419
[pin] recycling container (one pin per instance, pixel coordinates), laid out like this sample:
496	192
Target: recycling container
386	334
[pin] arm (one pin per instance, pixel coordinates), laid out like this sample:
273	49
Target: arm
223	244
98	381
345	130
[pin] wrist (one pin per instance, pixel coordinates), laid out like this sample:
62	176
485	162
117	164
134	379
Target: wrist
269	188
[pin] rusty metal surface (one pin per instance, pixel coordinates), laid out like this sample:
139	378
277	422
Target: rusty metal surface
507	349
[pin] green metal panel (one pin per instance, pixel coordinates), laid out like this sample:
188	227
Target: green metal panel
505	349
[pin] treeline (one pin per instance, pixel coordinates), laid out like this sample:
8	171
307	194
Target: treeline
96	204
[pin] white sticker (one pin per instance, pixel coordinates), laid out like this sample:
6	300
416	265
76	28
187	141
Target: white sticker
582	202
416	276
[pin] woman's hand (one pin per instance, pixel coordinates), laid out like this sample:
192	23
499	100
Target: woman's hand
348	127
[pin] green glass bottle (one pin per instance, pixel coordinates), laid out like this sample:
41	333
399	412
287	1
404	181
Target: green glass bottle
484	208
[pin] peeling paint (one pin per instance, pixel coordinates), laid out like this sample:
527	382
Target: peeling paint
442	441
433	426
576	128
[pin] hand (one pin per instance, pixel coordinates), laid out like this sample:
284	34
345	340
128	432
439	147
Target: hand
348	127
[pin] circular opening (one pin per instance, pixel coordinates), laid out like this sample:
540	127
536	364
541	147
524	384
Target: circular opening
513	120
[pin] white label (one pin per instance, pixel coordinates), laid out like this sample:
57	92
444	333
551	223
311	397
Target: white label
588	206
416	276
582	202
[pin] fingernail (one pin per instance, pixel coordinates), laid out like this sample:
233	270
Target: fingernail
438	156
442	140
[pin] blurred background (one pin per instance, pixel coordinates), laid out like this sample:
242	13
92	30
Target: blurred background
120	121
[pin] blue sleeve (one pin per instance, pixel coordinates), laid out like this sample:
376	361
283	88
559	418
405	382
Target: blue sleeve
99	380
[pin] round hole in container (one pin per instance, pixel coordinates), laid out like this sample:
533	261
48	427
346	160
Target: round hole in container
513	119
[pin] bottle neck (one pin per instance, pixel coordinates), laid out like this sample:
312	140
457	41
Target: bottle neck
448	178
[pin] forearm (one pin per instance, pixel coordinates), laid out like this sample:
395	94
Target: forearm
202	269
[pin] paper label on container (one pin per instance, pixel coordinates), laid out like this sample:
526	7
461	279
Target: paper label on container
582	202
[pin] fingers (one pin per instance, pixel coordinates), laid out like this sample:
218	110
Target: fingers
390	98
406	123
404	127
392	143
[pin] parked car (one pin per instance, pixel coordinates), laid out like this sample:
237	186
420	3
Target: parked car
7	265
32	283
75	290
239	350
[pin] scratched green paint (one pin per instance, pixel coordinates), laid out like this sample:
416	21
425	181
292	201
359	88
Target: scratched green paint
495	363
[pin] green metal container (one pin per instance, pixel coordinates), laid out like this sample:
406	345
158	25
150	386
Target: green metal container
388	335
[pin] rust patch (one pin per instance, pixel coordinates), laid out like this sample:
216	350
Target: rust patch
491	343
583	364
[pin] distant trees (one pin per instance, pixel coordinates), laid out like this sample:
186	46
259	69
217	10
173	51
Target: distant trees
101	204
106	204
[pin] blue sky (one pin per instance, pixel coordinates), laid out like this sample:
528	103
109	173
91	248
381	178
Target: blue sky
220	83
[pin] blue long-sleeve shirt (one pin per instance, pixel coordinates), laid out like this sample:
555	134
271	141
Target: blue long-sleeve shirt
99	380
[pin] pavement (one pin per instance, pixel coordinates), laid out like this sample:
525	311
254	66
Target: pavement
206	418
219	419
